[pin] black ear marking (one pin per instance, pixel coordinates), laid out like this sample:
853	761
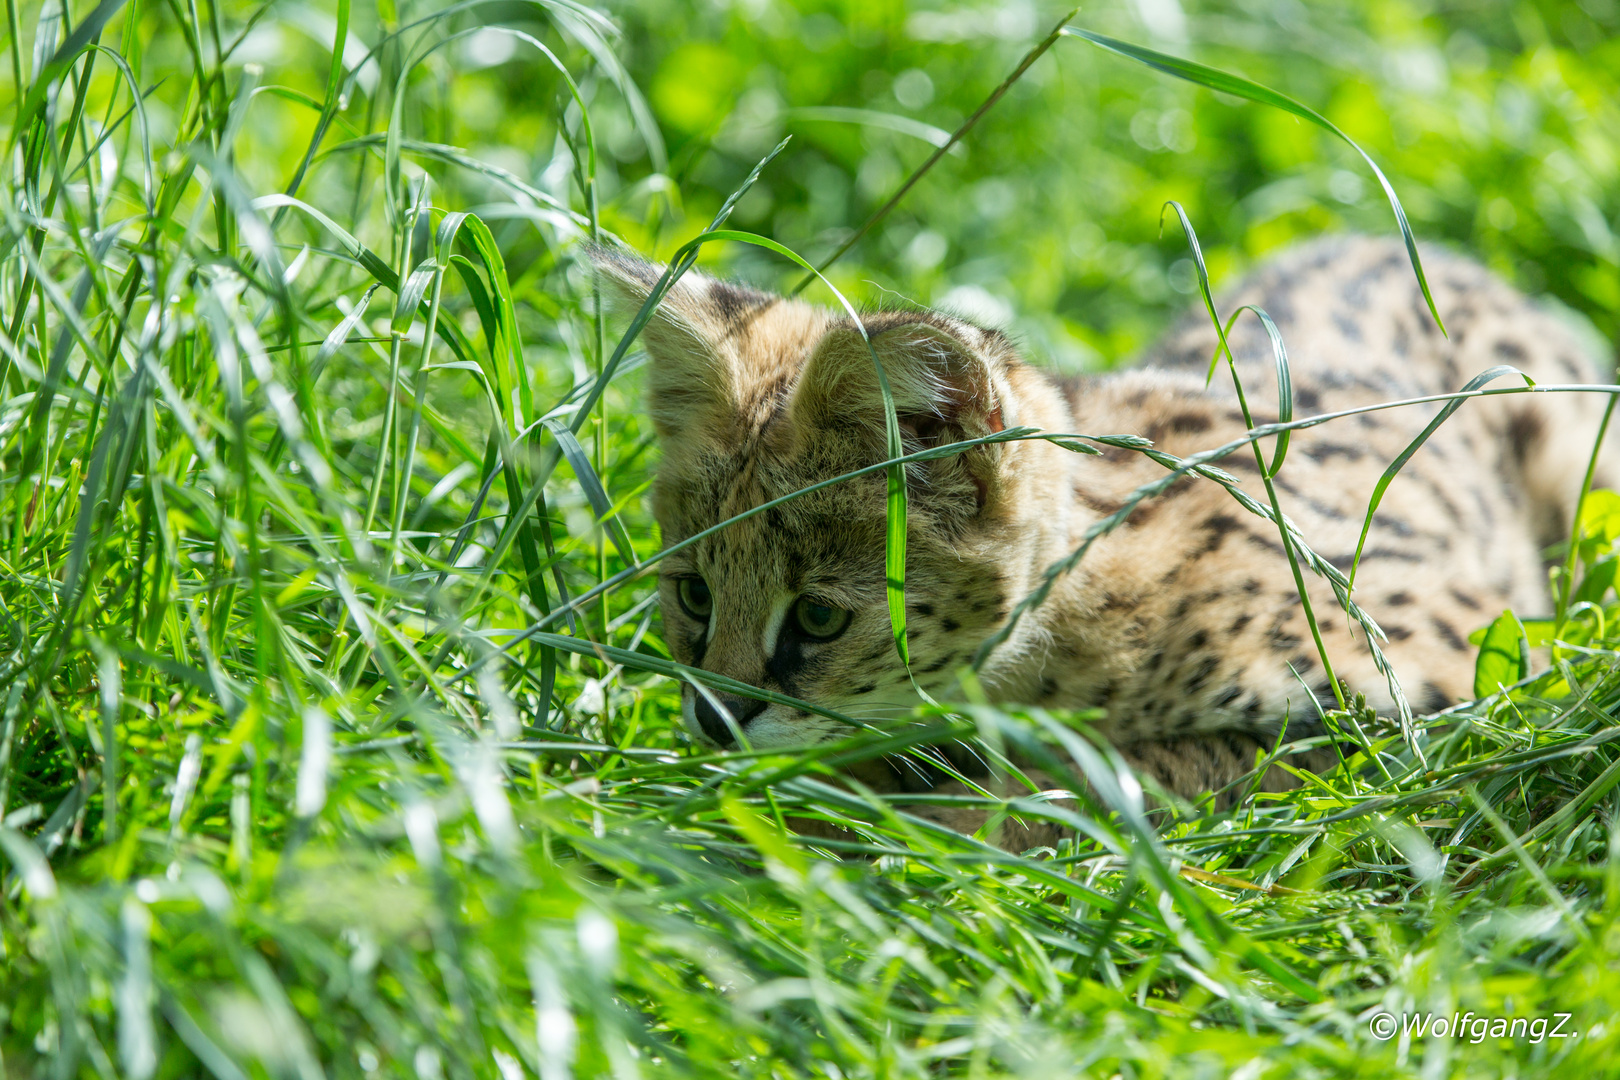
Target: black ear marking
731	302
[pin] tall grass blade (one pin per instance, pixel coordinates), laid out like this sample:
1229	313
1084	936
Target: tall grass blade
941	149
591	484
1285	406
1477	382
1237	86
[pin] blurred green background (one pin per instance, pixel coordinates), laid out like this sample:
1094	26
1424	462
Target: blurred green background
1498	122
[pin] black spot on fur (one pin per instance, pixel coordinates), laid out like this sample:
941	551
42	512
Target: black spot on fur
1467	601
1200	674
1324	451
1239	623
1226	697
1425	321
1265	543
1377	554
1525	428
950	625
1399	599
1397	633
1511	351
1449	634
925	610
867	689
1281	640
1099	503
1189	423
1217	529
1119	455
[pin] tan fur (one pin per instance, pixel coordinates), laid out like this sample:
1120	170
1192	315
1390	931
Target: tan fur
1183	624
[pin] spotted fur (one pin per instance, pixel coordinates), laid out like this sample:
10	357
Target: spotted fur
1184	624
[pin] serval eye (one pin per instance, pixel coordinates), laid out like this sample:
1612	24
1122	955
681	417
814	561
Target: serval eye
695	597
819	620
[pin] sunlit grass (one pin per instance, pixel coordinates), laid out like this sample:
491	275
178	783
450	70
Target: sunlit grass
337	737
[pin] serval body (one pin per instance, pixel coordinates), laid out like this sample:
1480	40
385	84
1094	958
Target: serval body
1184	624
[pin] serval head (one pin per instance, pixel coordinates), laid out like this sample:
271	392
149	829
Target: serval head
755	396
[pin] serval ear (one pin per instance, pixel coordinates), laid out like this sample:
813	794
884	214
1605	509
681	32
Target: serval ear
696	374
949	383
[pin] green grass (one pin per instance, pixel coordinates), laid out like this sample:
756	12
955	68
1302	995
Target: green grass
307	413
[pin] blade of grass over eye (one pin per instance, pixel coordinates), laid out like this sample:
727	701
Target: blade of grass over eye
1476	383
1237	86
894	558
931	454
940	151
